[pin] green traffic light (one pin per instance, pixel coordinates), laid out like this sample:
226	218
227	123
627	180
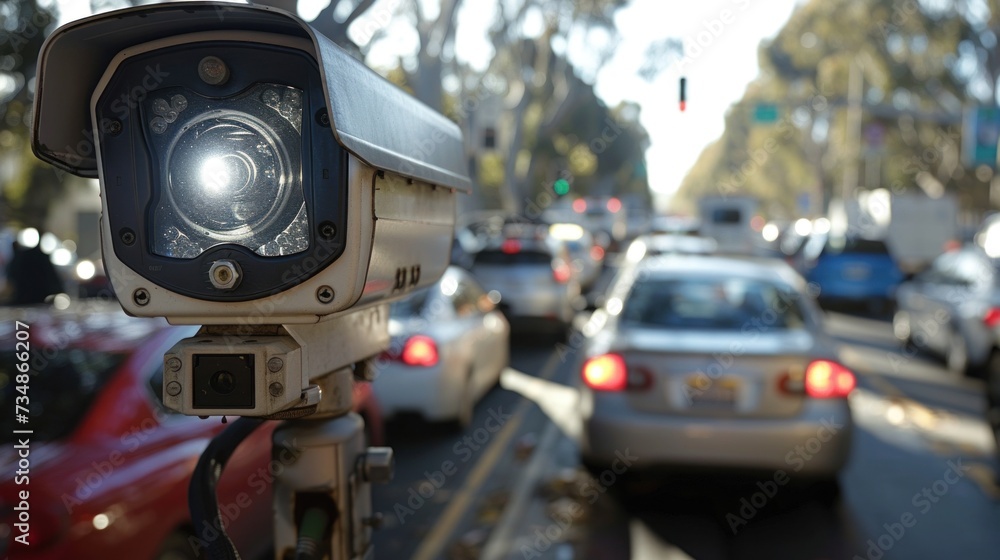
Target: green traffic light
561	186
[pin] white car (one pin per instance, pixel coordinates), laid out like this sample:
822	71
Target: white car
449	345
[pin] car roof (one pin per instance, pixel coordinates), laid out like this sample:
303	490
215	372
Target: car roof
91	325
756	268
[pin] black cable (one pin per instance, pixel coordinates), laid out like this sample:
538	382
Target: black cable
202	500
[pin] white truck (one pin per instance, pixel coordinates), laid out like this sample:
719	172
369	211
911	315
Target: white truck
921	228
727	220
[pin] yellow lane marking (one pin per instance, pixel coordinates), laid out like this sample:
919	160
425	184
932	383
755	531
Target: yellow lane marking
433	545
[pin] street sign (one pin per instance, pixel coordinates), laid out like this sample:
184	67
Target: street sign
980	133
765	113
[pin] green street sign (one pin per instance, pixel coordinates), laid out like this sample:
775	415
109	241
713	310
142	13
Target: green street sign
765	113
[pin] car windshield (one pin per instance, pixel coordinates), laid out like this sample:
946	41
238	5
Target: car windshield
711	304
838	245
61	390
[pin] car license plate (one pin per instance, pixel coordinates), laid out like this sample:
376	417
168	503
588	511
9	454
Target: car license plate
704	392
857	272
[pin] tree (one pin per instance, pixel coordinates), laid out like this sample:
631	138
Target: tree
26	24
542	86
334	20
920	62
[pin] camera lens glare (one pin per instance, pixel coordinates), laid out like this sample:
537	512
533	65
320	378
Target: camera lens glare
233	172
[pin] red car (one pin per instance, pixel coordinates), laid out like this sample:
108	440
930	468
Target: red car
108	465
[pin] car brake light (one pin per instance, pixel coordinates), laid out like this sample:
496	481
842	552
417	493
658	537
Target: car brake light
561	273
826	379
606	372
511	246
992	317
420	351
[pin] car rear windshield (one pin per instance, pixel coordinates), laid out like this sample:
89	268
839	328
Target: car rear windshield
62	387
727	216
712	304
835	246
520	257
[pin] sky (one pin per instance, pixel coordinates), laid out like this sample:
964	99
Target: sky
720	40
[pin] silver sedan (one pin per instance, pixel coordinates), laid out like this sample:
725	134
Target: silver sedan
712	362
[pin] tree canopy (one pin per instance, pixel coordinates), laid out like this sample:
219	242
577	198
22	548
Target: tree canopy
919	64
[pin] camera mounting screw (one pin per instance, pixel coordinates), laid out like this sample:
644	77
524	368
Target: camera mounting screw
275	364
141	297
224	274
327	230
376	521
377	465
324	294
127	236
112	127
173	388
323	118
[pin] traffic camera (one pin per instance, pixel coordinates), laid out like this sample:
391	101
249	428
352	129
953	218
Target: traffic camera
255	179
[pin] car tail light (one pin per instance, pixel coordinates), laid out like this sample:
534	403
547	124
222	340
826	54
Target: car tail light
992	317
421	351
606	372
826	379
511	246
561	273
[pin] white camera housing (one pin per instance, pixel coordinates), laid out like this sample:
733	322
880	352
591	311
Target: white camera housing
402	167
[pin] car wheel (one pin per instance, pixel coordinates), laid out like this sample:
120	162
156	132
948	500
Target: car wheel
177	547
957	358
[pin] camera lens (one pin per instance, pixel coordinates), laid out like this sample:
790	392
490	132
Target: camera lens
224	176
233	172
223	382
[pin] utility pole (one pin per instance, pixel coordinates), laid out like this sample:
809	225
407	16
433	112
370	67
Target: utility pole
852	137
